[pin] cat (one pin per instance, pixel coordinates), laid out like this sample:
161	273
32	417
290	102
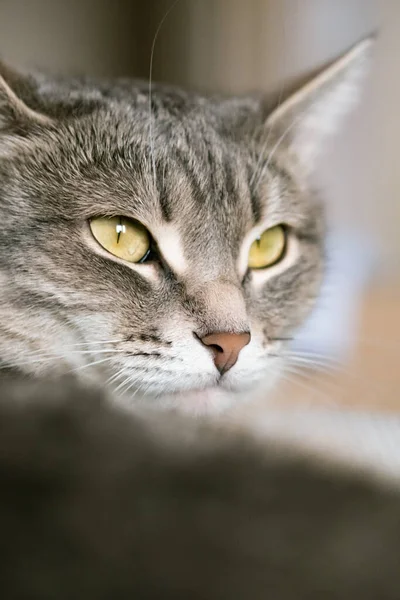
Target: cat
98	503
167	248
165	245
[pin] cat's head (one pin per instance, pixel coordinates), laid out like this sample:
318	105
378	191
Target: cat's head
167	244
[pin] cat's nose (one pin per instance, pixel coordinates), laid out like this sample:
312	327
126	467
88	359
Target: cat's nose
226	348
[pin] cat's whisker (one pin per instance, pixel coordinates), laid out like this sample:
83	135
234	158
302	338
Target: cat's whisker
91	364
337	369
94	351
128	384
121	386
312	362
114	377
312	354
44	359
336	386
117	375
322	357
107	351
258	167
151	124
294	122
76	352
306	387
125	390
38	358
317	359
318	374
95	343
132	381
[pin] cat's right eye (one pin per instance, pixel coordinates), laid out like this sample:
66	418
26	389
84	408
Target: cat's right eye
123	237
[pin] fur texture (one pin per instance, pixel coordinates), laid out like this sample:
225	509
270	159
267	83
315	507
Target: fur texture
97	504
206	176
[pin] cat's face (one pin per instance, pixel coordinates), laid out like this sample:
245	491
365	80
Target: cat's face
205	179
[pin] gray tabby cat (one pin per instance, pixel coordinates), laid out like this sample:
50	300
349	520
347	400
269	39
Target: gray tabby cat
96	504
167	245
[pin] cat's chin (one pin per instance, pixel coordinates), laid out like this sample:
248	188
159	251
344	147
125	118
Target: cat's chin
211	400
207	400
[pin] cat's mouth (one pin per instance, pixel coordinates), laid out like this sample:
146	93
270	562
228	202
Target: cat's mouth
199	392
213	398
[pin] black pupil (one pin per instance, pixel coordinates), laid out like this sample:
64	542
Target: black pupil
119	230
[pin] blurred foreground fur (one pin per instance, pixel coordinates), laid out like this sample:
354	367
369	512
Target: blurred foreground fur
98	504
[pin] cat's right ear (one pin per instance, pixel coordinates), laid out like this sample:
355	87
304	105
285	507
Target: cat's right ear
15	112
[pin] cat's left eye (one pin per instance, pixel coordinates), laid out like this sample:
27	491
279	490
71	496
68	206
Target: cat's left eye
125	238
268	249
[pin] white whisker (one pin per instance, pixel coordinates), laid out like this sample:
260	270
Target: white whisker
150	86
29	362
312	362
258	169
95	343
306	387
92	364
276	146
121	386
117	375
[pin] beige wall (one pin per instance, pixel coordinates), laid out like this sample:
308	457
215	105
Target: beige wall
239	45
70	35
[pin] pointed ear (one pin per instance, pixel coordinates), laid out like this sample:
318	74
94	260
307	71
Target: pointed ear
307	117
15	113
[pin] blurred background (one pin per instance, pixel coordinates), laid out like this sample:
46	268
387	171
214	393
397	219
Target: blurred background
244	45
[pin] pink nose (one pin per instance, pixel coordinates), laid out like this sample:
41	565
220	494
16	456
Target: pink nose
226	348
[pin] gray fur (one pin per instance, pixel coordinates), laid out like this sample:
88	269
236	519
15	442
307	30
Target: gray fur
207	169
97	504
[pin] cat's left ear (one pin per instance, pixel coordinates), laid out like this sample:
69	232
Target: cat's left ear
305	119
17	110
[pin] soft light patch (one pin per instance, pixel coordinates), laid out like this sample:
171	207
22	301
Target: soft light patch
170	245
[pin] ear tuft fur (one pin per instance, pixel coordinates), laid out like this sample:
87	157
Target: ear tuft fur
13	109
316	110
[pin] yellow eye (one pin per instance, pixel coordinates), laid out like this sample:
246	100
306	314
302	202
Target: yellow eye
122	237
268	249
